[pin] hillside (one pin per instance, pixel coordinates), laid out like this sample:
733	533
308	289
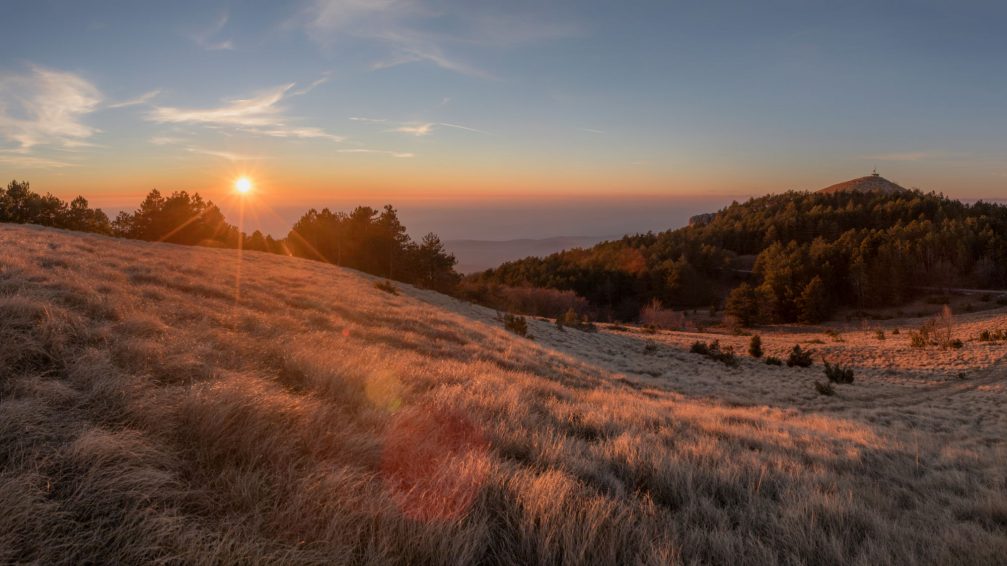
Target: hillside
152	411
789	257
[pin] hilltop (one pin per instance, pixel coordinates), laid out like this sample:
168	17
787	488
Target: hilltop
151	410
873	183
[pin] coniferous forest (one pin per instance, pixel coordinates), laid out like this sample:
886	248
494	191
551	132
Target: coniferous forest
788	257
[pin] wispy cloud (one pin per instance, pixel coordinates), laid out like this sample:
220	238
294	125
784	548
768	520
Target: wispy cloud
142	99
260	110
427	128
47	107
317	83
303	132
209	38
400	154
591	130
28	161
227	155
418	129
261	114
426	31
166	140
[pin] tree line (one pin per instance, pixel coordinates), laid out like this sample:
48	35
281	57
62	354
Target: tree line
365	239
788	257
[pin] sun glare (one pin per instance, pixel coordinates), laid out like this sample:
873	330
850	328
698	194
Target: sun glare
243	185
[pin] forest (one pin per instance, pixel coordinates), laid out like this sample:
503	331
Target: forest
366	239
790	257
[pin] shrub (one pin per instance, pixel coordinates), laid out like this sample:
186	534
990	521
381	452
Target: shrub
649	348
835	335
571	320
838	374
516	324
824	388
755	346
879	334
699	348
386	286
799	357
956	344
773	361
714	351
654	314
918	339
993	335
895	332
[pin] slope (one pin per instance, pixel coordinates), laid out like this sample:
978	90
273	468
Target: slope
149	412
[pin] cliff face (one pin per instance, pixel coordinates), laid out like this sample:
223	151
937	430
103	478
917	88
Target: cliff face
870	184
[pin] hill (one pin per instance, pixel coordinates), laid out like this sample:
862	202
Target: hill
873	183
787	257
151	410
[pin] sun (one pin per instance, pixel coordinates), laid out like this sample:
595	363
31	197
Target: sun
243	185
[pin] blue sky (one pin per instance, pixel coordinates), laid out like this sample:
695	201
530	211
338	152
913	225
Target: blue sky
411	100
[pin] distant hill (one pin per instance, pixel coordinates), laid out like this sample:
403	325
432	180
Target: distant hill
478	255
863	243
873	183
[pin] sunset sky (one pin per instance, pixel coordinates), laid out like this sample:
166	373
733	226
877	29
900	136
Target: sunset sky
334	101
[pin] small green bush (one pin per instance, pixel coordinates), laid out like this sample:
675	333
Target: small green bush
516	324
824	388
714	351
799	357
699	348
755	346
838	374
773	361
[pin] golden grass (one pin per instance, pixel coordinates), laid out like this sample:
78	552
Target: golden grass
147	415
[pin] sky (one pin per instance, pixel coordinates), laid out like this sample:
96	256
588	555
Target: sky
634	107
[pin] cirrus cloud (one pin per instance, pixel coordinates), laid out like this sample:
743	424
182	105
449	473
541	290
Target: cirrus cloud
47	107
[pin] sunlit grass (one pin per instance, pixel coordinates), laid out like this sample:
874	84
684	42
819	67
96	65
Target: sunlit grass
147	417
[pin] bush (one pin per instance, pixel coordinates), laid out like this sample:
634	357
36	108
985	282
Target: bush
714	351
654	314
956	344
895	332
918	339
993	335
773	361
838	374
879	334
699	348
516	324
649	348
755	346
571	320
799	357
835	335
824	388
386	286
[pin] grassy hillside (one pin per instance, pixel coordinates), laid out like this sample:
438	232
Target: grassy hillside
151	412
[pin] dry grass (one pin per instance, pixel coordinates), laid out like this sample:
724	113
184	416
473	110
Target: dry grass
149	414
